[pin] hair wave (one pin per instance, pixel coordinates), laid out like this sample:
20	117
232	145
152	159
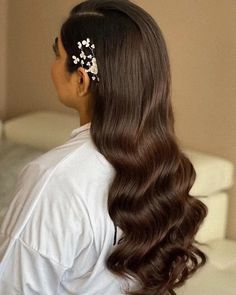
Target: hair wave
133	127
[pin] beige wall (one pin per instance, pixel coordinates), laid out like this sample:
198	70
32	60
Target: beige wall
31	32
200	36
3	57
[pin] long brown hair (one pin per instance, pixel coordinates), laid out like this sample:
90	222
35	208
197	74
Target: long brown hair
133	127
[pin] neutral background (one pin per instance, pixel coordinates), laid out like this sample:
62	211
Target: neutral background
201	39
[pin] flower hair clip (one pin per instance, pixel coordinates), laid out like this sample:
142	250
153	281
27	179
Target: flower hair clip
88	61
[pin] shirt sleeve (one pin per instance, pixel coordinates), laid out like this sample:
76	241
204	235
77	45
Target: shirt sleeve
43	231
26	271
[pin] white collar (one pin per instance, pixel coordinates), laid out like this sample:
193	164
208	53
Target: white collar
80	129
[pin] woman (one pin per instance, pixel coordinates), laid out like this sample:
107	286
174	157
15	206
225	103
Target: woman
109	211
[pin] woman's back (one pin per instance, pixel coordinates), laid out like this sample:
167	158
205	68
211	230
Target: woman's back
112	66
59	223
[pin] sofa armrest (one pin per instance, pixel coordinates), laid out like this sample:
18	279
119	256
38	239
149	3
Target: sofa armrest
42	129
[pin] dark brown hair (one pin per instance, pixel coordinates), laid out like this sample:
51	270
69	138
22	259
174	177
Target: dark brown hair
133	127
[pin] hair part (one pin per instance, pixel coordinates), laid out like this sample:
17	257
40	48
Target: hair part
133	127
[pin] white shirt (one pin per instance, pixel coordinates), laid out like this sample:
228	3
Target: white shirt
57	232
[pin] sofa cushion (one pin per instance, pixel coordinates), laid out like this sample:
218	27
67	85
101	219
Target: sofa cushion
222	254
213	173
215	223
13	157
43	129
218	275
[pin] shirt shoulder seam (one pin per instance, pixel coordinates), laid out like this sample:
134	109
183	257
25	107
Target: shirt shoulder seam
41	254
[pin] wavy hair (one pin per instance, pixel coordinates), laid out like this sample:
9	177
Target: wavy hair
133	127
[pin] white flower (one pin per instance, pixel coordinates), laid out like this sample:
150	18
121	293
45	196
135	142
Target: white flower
93	77
80	45
89	56
93	46
82	55
94	69
82	62
76	59
88	63
86	43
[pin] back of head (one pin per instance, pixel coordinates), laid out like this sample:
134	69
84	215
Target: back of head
132	61
133	127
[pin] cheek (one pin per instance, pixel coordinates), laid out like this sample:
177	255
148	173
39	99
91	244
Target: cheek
53	73
57	80
60	83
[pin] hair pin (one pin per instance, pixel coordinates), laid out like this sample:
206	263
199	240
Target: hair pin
89	62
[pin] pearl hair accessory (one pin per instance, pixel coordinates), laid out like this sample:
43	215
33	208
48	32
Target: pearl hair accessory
91	62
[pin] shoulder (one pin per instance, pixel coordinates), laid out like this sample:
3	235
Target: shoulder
75	156
54	201
48	216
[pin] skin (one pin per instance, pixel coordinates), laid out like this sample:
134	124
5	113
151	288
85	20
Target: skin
72	88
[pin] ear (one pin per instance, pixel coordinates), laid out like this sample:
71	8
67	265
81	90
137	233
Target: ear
82	81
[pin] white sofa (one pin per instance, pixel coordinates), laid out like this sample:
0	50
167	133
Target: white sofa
44	130
218	276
